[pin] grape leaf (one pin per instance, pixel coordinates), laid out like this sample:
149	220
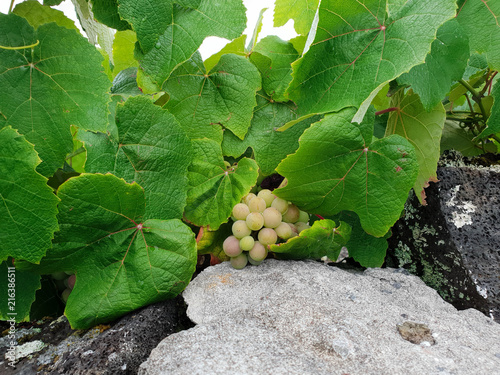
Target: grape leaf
365	249
123	51
46	88
151	149
37	14
446	63
121	262
106	12
324	238
480	20
213	189
269	145
423	130
273	57
456	138
184	35
210	242
301	11
27	204
125	83
226	95
20	290
236	47
358	46
339	167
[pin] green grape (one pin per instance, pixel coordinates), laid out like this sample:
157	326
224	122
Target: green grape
59	275
272	217
240	229
65	294
257	204
292	214
231	246
303	217
267	195
283	231
246	199
295	231
240	211
227	164
267	236
258	252
246	243
302	226
280	204
253	262
239	262
255	220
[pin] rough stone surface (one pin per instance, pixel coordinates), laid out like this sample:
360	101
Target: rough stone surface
286	317
453	242
118	348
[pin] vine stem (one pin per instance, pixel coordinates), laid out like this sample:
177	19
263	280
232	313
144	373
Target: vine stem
11	5
81	150
320	217
475	96
392	109
21	47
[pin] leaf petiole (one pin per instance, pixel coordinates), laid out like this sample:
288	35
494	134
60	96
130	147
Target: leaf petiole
21	47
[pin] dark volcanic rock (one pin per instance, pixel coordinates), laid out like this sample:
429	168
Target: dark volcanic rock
452	243
115	349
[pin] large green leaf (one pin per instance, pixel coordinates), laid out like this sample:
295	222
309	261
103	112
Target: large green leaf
37	14
213	188
301	11
274	57
19	289
48	87
324	238
184	35
27	204
457	138
121	262
446	63
269	145
339	167
480	20
359	46
151	149
423	130
224	96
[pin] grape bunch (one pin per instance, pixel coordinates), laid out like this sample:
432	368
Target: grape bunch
64	281
259	221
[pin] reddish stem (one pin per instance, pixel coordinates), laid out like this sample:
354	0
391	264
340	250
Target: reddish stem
491	82
320	217
392	109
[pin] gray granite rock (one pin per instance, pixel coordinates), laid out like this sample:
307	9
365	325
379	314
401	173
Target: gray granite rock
453	242
286	317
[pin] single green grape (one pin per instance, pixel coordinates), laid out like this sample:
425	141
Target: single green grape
240	229
255	220
253	262
231	246
302	226
258	252
272	217
246	243
283	231
239	262
267	195
257	204
280	204
267	236
303	217
292	214
65	294
240	211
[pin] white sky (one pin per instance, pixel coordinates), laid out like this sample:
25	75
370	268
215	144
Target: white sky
211	44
